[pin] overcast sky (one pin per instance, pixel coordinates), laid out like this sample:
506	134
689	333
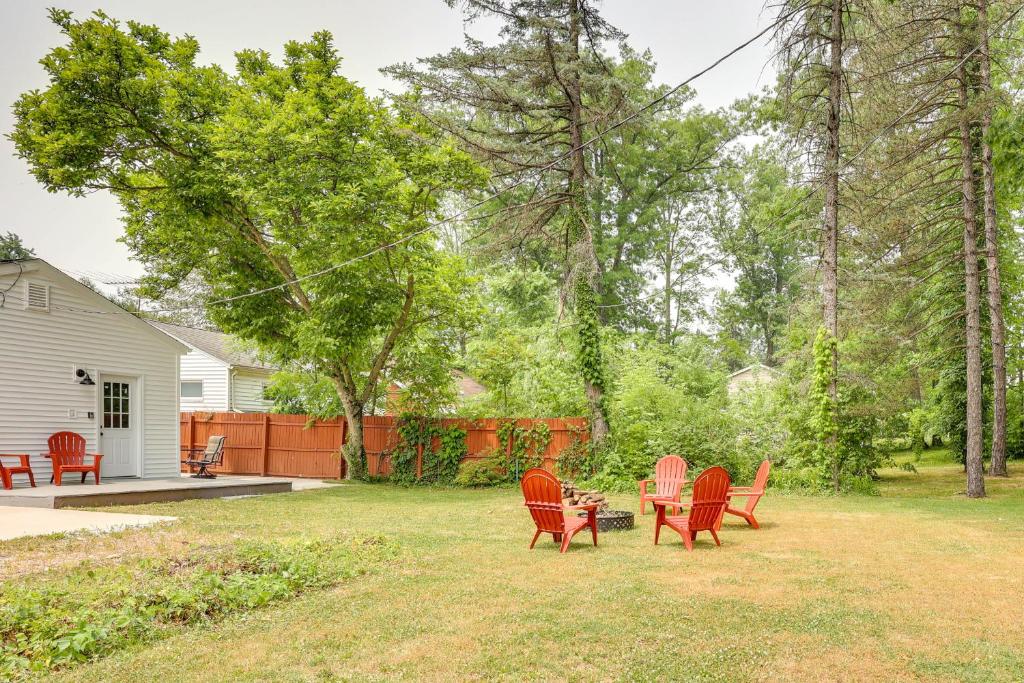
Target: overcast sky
80	235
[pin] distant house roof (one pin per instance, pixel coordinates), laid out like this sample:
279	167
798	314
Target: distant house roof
466	385
753	368
218	345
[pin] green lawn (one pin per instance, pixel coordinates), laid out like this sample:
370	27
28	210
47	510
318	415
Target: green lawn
916	584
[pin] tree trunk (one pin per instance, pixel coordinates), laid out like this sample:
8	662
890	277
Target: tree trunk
830	251
995	293
667	313
585	257
972	299
352	450
830	247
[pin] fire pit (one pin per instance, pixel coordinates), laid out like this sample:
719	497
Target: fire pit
612	520
607	520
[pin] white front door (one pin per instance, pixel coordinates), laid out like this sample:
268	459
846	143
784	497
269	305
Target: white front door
119	427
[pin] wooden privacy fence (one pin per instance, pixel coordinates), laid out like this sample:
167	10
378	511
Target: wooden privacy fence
298	446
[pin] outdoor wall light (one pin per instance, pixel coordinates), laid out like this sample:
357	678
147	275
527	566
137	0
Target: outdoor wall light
84	378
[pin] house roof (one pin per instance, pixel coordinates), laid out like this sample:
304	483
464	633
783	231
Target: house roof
103	305
466	385
755	366
220	346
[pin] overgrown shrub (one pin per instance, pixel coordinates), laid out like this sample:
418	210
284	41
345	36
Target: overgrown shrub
488	471
673	400
521	446
56	621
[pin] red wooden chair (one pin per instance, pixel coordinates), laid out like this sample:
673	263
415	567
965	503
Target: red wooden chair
751	493
67	452
705	509
669	478
23	467
543	494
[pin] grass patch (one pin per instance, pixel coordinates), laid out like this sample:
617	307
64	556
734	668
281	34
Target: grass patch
917	583
58	620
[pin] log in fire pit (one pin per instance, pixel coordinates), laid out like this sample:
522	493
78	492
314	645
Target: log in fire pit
607	520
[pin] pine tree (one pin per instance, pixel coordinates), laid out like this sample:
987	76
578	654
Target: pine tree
525	107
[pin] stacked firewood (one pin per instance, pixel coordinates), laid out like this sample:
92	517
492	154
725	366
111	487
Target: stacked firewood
575	496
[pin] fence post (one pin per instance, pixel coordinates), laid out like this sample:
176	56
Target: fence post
508	449
265	445
341	448
191	431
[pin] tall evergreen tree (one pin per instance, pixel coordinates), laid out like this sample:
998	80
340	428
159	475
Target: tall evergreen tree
815	52
525	107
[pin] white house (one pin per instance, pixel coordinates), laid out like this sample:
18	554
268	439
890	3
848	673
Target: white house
72	360
750	376
218	374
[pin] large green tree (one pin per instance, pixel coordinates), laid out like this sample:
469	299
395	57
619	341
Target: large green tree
301	202
763	232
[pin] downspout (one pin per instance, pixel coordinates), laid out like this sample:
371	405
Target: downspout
231	388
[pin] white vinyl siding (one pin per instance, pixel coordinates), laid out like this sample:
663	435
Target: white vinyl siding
40	350
213	373
247	391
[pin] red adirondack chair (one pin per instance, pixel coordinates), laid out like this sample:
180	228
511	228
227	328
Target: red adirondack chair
67	453
669	477
543	494
751	493
705	508
23	467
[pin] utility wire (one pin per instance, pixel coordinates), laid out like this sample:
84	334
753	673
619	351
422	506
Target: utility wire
494	195
883	131
521	181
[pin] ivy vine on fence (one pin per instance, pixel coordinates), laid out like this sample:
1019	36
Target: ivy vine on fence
524	446
417	435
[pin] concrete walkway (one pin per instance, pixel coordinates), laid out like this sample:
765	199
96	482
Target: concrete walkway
32	521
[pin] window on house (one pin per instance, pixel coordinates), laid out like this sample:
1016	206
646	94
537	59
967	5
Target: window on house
191	388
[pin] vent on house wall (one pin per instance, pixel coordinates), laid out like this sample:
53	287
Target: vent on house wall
37	296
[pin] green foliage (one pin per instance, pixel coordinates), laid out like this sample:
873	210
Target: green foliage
301	393
759	223
491	470
93	611
12	248
916	422
440	464
281	170
672	399
506	464
543	383
589	357
825	415
576	461
528	444
832	444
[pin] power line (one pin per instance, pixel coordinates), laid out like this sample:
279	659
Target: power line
521	181
475	205
886	129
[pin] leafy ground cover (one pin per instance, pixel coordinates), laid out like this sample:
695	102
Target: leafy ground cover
918	583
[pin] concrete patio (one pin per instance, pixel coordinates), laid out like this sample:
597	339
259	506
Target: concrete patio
138	491
16	522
